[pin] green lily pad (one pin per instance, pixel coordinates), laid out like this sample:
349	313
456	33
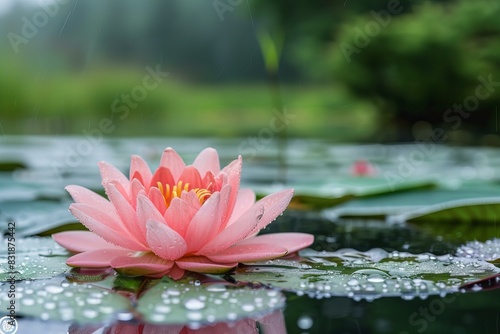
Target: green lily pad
393	204
57	299
327	193
486	251
368	275
172	302
36	258
473	210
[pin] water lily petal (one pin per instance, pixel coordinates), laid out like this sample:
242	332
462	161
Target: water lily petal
162	175
192	176
126	213
111	173
291	241
147	211
159	329
274	323
179	214
242	228
136	188
175	273
207	221
146	264
249	253
244	201
98	258
84	195
274	205
171	160
157	199
207	160
201	264
164	241
81	241
233	173
103	225
139	169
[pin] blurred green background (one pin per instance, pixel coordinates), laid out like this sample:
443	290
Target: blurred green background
346	71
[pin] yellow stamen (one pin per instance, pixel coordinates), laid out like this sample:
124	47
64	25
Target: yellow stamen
169	193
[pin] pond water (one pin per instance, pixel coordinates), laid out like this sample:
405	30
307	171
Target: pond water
410	247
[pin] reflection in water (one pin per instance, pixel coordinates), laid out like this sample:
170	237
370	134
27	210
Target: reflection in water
273	323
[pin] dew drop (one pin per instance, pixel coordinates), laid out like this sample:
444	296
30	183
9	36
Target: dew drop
248	307
54	289
216	288
28	301
194	316
305	322
194	304
91	314
163	308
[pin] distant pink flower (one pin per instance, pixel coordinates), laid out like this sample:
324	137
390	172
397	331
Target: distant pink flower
193	218
363	168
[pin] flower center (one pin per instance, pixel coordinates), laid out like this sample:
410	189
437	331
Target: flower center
170	192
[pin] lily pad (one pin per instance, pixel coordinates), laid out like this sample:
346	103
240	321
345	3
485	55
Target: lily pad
172	302
57	299
393	204
473	210
368	275
486	251
333	191
36	258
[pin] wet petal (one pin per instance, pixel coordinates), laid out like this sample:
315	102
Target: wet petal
163	176
233	174
274	205
234	233
207	160
84	195
111	173
179	214
176	273
192	176
244	201
249	253
291	241
157	199
126	213
103	225
146	264
171	160
164	241
139	169
201	264
96	258
136	188
146	211
207	221
81	241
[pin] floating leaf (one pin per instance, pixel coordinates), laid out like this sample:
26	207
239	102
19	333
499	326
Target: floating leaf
58	300
486	251
474	210
172	302
36	258
369	275
393	204
333	191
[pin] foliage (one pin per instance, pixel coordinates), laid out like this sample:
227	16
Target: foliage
420	65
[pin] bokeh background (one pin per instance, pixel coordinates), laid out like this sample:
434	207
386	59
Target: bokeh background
345	71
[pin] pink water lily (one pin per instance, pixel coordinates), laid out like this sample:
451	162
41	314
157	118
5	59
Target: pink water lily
178	218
